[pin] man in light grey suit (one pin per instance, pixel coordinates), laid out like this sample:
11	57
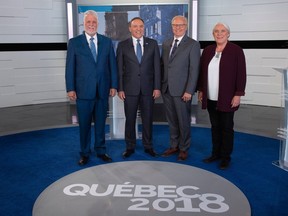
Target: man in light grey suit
180	61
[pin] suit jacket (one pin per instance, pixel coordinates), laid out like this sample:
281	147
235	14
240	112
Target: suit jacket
180	73
83	75
232	75
134	77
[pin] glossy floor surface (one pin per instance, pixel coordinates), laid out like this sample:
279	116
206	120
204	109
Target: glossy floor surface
259	120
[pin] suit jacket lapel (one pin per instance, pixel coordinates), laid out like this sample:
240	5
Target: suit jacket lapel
146	47
183	41
84	43
99	46
179	47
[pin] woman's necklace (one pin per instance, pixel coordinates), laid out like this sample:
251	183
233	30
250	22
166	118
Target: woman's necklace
219	51
217	55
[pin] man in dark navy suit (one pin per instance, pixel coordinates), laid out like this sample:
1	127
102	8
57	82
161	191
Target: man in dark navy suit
91	76
138	60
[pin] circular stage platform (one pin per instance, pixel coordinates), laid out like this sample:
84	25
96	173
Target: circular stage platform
142	188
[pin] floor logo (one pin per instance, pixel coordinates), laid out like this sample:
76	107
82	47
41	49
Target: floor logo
142	188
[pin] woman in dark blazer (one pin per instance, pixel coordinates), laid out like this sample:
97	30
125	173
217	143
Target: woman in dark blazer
221	84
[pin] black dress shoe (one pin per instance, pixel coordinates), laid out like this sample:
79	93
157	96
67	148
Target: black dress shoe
83	160
128	153
151	152
105	157
211	159
224	164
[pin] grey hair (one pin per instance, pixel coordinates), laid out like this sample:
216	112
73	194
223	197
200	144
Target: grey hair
91	12
225	26
179	16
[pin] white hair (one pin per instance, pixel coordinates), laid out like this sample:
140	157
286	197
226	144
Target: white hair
225	26
91	12
181	17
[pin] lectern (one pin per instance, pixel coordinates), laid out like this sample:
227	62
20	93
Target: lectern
116	120
282	132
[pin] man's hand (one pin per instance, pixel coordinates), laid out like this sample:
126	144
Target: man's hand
121	95
72	95
187	97
113	92
156	93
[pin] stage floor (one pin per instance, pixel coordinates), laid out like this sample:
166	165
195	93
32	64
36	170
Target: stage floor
258	120
123	188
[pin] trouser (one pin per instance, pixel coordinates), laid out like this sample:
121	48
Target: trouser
87	111
131	104
178	114
222	124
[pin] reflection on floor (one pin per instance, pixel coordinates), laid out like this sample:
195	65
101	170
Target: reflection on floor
259	120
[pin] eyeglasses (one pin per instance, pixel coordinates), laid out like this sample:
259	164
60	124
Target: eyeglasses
178	25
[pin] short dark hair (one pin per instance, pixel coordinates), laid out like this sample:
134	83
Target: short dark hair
135	18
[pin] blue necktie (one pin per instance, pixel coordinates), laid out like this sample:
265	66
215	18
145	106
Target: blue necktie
139	51
93	49
174	47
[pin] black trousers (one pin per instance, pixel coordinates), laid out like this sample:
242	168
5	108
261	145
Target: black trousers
222	129
131	104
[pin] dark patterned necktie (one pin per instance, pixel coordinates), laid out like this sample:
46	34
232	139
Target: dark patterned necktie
174	47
